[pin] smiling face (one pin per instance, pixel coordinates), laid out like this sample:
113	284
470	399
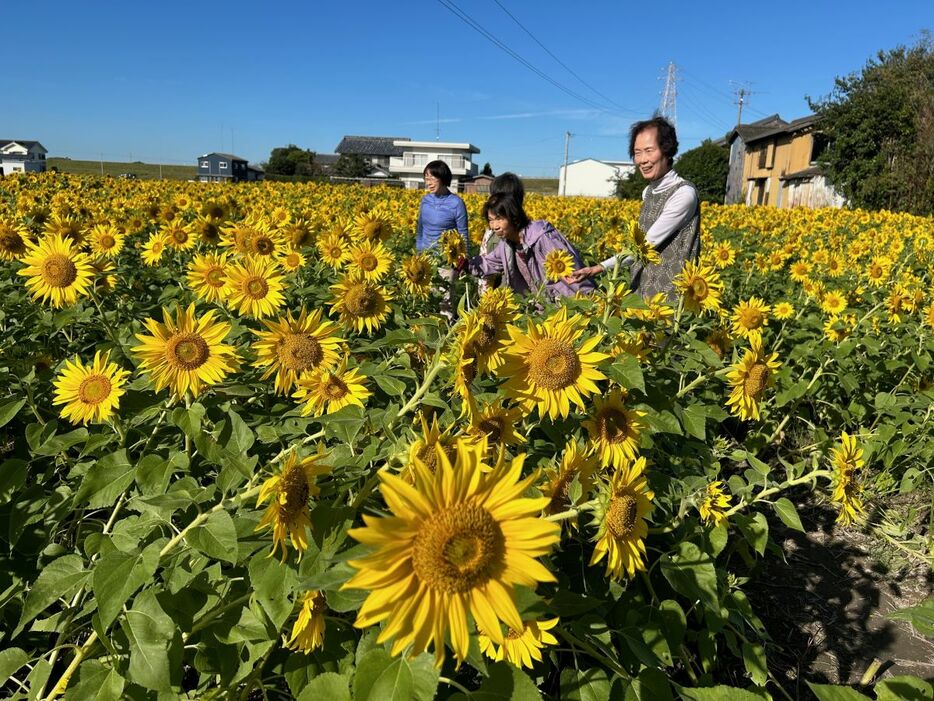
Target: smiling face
648	156
503	228
434	185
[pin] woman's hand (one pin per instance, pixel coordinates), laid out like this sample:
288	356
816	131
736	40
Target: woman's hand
584	273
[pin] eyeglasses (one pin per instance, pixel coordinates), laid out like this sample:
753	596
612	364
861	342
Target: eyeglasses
431	179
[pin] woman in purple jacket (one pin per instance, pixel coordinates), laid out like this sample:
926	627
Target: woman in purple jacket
520	256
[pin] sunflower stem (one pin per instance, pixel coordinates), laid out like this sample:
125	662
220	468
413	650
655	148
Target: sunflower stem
457	685
593	652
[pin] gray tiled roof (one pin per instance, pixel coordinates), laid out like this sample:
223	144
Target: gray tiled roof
754	130
326	159
23	142
371	145
789	128
228	156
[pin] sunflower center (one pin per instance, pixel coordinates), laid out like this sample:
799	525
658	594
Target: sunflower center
621	516
256	287
493	427
107	241
369	262
299	351
750	318
11	241
553	364
180	235
372	229
335	252
361	300
215	277
613	425
560	493
755	380
94	389
334	388
699	288
263	245
187	351
486	338
293	493
58	270
459	549
513	635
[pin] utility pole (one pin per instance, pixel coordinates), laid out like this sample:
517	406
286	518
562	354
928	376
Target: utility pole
567	143
160	169
742	92
102	164
669	105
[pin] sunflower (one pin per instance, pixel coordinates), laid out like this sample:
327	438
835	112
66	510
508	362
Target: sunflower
847	459
615	430
878	270
298	234
327	390
371	260
833	302
657	310
700	286
264	242
207	276
416	275
178	235
289	347
458	542
522	646
425	448
362	304
65	226
558	264
839	328
334	250
720	341
724	255
308	629
749	378
372	226
498	423
185	353
288	494
621	517
89	392
715	503
800	270
452	246
750	317
13	238
153	249
545	371
254	287
292	260
575	464
643	251
104	278
929	315
56	272
106	240
783	310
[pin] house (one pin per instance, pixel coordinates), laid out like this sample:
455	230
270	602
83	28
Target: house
781	169
325	162
375	150
736	140
21	156
410	164
479	185
225	167
591	177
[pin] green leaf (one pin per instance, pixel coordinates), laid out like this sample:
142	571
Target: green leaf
329	686
241	437
10	410
189	420
754	660
11	660
590	684
626	370
344	424
921	616
691	572
723	693
831	692
755	529
380	677
505	683
390	385
900	688
650	685
59	444
58	579
694	419
216	537
788	514
149	631
106	480
118	575
95	682
12	477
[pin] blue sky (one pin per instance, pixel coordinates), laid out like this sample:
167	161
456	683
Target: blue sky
168	81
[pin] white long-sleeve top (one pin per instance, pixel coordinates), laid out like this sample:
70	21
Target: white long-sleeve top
676	214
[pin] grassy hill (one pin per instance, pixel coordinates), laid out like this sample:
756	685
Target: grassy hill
543	186
114	168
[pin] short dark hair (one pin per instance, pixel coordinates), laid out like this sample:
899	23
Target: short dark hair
667	138
508	184
439	170
506	207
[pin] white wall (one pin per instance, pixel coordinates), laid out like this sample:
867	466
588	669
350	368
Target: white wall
591	178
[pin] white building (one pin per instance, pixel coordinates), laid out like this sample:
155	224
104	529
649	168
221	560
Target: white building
19	156
410	166
592	178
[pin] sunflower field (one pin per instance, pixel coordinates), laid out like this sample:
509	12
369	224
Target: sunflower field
243	454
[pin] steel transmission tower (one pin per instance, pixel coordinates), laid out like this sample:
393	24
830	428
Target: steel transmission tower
669	105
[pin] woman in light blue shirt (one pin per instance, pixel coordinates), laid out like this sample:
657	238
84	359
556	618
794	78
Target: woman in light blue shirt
441	210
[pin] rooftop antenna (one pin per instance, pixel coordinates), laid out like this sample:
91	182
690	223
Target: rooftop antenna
669	104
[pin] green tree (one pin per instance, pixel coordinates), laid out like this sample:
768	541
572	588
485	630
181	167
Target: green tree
291	160
880	122
707	166
487	169
352	165
631	187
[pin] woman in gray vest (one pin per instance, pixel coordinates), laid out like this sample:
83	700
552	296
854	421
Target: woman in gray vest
670	214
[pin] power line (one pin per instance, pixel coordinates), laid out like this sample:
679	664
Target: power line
562	63
473	24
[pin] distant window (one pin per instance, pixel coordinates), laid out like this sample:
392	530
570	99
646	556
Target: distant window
763	156
222	165
415	159
818	146
205	164
41	156
452	160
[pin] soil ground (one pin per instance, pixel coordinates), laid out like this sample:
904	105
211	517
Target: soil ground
825	603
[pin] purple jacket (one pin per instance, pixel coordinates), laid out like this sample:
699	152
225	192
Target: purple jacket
538	239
